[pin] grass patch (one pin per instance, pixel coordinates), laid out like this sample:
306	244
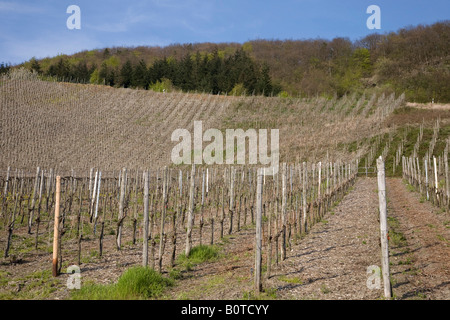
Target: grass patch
293	280
441	238
198	254
324	289
397	238
393	222
408	261
136	283
267	294
34	286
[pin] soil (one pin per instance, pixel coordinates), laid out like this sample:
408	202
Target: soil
433	106
330	262
427	248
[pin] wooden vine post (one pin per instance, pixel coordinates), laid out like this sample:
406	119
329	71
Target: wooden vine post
447	182
56	228
383	228
190	221
258	242
283	213
121	209
33	199
146	222
436	183
162	235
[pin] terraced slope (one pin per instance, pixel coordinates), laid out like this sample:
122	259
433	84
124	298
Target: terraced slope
73	126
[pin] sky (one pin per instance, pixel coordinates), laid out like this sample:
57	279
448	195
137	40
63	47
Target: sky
39	29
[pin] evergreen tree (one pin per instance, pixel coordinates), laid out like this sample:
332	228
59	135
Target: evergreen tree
264	85
35	66
111	78
4	68
140	78
214	69
61	70
81	72
126	74
184	71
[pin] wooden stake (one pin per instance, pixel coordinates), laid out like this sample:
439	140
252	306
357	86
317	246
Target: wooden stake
383	228
190	221
436	184
283	213
121	208
426	178
56	228
162	235
146	222
447	182
258	244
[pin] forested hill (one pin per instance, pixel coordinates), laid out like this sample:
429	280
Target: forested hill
414	60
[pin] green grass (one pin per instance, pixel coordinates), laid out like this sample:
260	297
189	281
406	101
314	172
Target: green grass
324	289
293	280
197	255
37	285
136	283
267	294
396	238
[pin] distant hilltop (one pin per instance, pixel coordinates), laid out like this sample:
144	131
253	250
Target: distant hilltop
414	60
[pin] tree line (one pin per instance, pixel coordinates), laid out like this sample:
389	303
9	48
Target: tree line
414	60
213	73
4	68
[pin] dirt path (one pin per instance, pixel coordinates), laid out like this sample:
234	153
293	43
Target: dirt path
331	261
420	256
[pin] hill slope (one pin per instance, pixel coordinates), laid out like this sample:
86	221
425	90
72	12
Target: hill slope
74	126
413	60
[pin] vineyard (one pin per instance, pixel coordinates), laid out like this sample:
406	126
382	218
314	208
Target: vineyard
100	156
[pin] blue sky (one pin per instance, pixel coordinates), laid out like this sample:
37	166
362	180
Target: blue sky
38	28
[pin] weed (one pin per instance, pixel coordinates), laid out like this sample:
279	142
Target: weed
408	261
397	238
197	255
441	238
293	280
135	283
324	289
267	294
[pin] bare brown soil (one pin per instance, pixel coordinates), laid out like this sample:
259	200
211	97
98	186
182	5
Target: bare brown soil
432	106
421	267
330	262
417	116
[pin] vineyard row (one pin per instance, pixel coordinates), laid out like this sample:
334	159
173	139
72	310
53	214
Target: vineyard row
170	209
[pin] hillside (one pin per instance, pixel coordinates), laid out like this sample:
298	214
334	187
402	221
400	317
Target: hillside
326	224
75	126
414	60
